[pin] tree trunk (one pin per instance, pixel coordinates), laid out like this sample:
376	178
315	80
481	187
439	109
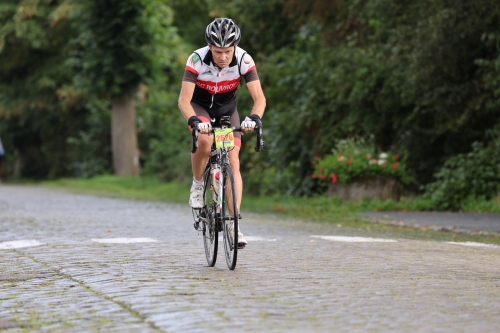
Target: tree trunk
124	136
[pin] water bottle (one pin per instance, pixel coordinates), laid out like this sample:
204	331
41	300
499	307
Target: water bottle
215	182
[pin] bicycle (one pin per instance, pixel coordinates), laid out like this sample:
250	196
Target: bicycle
220	209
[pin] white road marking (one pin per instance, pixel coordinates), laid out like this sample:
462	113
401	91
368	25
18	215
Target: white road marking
474	244
356	239
259	239
123	240
19	244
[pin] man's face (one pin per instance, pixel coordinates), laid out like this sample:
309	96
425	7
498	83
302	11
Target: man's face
222	55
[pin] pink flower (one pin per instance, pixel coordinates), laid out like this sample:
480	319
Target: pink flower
333	178
395	165
313	176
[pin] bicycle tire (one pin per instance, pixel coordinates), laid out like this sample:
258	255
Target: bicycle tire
210	232
229	221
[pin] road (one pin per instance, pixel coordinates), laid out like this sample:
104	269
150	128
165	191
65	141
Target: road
469	221
80	263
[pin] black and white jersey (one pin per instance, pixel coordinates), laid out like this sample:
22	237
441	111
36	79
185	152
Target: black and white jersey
217	87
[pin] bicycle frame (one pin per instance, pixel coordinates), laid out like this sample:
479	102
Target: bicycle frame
219	159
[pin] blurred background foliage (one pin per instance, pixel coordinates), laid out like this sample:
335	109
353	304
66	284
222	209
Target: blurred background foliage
420	79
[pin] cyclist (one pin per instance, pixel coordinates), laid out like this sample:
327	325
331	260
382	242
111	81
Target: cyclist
208	91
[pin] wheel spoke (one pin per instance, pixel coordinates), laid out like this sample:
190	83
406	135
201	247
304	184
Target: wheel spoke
210	234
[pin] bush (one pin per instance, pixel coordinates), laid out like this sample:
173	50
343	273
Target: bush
466	178
354	159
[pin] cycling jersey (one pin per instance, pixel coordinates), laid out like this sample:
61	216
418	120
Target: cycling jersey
217	87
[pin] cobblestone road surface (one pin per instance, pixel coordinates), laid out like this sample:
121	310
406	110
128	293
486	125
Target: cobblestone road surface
472	221
285	280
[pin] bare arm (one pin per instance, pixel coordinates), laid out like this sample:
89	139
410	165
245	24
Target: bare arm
185	97
259	100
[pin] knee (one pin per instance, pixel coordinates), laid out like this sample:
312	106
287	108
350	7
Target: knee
204	143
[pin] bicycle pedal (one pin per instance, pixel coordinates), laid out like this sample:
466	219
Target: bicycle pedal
241	246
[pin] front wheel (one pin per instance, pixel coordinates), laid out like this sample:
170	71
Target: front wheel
229	216
208	216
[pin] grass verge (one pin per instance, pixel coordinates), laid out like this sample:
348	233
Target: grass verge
144	188
346	217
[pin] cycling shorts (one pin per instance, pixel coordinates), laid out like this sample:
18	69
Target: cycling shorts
226	110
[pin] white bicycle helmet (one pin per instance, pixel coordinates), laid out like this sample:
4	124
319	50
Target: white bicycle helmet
222	32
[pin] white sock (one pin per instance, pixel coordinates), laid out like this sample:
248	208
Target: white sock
197	182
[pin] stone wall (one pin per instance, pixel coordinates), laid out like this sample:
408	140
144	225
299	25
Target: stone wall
380	187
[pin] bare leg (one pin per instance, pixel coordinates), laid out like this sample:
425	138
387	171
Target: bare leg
234	160
199	159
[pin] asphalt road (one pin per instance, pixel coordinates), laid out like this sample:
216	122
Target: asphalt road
79	263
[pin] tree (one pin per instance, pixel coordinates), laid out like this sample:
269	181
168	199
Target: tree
39	107
123	43
420	78
33	43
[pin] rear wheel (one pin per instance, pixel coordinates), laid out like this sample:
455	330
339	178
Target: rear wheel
208	216
230	219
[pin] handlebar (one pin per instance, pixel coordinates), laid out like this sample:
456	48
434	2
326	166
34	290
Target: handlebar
258	129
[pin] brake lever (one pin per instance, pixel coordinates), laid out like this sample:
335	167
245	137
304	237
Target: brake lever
194	133
260	142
